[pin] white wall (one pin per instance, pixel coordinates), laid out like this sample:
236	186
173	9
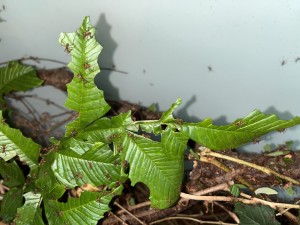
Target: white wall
167	46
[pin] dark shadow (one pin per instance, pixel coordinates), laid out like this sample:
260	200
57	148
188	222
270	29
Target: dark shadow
105	39
182	111
183	114
286	115
281	115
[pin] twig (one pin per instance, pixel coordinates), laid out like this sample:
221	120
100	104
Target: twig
137	206
118	218
38	59
248	200
226	169
192	219
208	152
121	207
289	215
223	186
231	214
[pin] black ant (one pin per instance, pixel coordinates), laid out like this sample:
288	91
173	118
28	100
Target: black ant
210	69
283	62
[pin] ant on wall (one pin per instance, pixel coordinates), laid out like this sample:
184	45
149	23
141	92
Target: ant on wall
283	62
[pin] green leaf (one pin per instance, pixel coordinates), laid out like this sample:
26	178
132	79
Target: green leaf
105	130
17	77
30	213
11	174
158	165
242	131
266	190
255	214
83	95
235	190
167	118
97	166
11	201
87	209
12	143
49	187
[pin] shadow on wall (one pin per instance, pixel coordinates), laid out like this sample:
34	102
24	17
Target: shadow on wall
103	36
286	115
183	113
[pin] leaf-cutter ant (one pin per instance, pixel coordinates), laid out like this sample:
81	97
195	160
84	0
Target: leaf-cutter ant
4	149
82	79
78	175
67	46
256	140
86	65
239	123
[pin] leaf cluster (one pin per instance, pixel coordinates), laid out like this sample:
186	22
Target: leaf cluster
98	153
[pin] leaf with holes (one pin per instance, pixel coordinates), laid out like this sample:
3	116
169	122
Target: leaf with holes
87	209
105	130
30	212
11	174
97	166
83	95
242	131
159	165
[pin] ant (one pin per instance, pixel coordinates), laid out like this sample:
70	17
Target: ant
210	69
283	62
256	140
87	34
82	79
86	65
282	130
90	165
78	175
239	123
4	121
73	133
4	149
67	46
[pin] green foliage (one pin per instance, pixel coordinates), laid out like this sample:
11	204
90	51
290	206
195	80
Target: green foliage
102	153
255	214
13	143
15	76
